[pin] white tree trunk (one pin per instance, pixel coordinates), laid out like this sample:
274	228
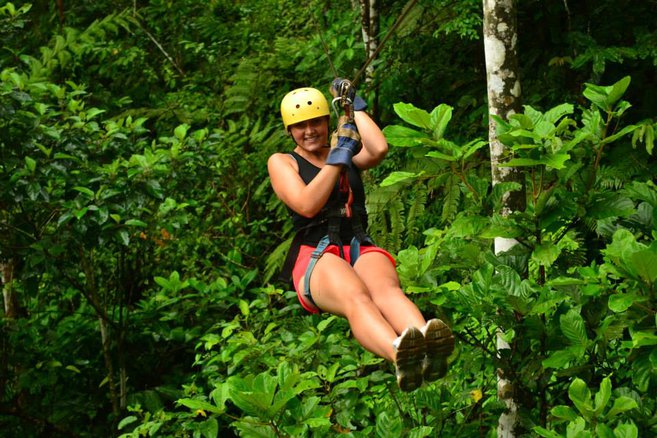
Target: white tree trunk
370	28
503	83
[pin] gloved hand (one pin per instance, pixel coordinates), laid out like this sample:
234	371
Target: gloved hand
345	142
358	102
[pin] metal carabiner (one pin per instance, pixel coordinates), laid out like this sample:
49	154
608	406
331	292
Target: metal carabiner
343	96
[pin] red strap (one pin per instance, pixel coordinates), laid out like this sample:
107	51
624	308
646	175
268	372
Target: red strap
344	187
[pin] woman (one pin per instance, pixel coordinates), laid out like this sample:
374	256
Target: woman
335	266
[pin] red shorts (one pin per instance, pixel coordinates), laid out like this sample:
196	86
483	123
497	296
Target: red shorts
303	259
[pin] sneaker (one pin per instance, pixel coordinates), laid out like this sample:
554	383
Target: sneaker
409	355
439	345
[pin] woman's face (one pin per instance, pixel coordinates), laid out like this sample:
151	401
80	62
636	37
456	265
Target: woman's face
312	134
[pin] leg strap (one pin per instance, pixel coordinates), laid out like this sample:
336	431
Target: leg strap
317	253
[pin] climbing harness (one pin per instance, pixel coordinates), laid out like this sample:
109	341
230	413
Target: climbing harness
343	209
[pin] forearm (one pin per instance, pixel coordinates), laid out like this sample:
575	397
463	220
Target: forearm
375	145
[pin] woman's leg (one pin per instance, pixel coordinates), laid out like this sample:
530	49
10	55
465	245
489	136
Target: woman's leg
336	288
380	277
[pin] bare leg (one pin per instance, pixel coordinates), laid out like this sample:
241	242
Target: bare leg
380	278
336	288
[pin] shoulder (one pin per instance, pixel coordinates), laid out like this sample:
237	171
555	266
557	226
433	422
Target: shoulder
280	161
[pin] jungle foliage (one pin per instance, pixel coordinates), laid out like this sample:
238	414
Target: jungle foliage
140	240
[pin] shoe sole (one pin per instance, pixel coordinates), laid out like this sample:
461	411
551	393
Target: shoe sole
409	359
439	342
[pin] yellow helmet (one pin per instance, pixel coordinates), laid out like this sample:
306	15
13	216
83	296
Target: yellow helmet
303	104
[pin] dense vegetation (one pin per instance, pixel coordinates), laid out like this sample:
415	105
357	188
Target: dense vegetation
140	240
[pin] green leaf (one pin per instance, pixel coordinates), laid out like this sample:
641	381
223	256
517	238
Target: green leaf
30	164
441	156
618	89
559	359
124	237
413	115
253	395
606	97
244	307
602	396
554	114
93	112
195	405
472	147
323	324
402	136
645	265
604	431
580	395
643	339
556	161
546	254
388	426
127	421
621	404
564	412
541	431
135	223
620	302
440	117
79	214
397	177
181	131
573	327
90	194
626	430
626	130
521	162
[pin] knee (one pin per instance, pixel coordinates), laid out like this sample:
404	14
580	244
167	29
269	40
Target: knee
359	297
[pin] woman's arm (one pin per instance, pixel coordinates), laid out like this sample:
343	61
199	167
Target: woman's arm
375	146
305	199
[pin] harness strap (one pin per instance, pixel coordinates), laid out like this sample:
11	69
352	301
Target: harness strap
317	253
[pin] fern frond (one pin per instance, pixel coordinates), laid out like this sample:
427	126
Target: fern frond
276	258
451	199
415	212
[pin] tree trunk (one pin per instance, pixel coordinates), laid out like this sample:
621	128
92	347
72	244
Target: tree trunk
503	83
91	293
370	27
9	297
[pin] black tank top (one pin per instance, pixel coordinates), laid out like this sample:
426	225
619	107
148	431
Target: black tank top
314	231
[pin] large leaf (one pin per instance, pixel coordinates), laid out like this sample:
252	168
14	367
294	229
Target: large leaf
573	327
546	254
402	136
252	395
554	114
644	263
606	97
562	358
580	395
439	119
621	404
388	426
397	177
602	396
413	115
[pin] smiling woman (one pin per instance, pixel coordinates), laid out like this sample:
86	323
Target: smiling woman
323	190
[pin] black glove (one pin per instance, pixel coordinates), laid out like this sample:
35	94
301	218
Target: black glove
337	86
345	142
